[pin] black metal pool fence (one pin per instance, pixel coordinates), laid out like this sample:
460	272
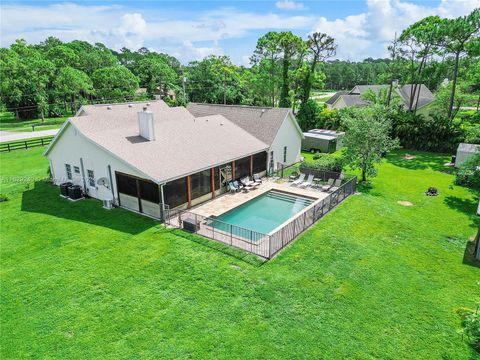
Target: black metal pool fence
263	245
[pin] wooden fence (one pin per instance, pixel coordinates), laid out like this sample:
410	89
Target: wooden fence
25	144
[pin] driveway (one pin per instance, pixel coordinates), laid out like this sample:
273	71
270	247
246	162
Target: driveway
23	135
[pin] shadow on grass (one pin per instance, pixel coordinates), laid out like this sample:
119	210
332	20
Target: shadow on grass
366	187
421	161
218	246
44	199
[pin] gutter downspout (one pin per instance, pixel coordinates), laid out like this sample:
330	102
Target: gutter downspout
83	176
111	181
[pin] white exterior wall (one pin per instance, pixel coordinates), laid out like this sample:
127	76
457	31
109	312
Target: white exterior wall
288	135
70	147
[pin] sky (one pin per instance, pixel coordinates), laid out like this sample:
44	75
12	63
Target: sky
191	30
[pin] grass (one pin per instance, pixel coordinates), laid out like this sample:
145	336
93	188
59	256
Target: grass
373	279
8	122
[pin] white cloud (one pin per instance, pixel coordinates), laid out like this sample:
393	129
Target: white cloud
289	5
368	34
118	26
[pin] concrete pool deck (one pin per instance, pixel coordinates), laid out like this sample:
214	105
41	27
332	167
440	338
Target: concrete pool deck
229	201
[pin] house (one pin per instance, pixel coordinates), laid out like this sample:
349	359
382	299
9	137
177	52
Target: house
464	151
423	96
320	140
143	155
276	127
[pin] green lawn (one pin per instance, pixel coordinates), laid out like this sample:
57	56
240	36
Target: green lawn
8	122
373	279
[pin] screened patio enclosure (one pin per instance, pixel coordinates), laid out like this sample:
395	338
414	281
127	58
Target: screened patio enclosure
146	197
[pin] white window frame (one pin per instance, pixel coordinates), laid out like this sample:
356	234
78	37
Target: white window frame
68	170
91	179
76	169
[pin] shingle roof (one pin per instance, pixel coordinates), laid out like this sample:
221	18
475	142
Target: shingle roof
425	96
363	88
354	100
335	97
261	122
183	144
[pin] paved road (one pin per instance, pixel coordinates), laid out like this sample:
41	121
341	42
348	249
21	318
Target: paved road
22	135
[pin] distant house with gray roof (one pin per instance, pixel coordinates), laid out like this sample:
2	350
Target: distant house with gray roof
143	155
422	97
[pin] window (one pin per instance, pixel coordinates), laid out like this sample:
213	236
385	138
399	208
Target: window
91	178
201	183
259	162
149	191
126	185
76	170
68	169
242	167
284	154
175	192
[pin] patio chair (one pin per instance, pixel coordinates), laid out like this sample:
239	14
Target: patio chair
232	187
247	182
328	185
238	185
307	183
257	178
299	180
336	185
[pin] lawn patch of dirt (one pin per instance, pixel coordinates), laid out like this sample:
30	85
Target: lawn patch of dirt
405	203
408	157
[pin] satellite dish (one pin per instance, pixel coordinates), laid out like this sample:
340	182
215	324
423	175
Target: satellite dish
104	181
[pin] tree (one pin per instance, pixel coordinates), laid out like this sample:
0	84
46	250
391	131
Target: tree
156	74
70	83
265	56
308	114
322	47
290	45
458	37
367	138
114	82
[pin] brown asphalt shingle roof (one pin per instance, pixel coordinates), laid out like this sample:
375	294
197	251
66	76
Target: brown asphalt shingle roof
183	144
261	122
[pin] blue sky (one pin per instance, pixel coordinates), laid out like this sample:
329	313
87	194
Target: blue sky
191	30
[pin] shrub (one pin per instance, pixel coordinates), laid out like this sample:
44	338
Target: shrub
469	172
308	114
325	162
471	326
316	156
3	197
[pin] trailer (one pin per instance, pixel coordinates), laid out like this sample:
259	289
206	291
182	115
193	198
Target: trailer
319	140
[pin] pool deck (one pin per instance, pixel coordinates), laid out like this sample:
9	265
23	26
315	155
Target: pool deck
229	201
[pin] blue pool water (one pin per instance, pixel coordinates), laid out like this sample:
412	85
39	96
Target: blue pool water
265	212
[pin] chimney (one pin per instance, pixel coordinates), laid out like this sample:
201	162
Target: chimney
146	125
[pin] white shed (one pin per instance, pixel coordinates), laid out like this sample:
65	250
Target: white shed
464	151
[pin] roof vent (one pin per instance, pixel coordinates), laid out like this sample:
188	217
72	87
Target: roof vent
148	104
145	124
109	107
221	124
130	105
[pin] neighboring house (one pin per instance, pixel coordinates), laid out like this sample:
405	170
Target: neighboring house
464	151
355	96
149	154
276	127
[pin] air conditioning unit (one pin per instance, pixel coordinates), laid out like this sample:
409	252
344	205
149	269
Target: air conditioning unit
107	204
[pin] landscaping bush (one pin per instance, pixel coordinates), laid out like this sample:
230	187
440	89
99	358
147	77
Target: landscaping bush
471	326
469	173
3	197
325	162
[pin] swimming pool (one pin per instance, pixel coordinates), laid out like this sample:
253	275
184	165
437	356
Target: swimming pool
263	213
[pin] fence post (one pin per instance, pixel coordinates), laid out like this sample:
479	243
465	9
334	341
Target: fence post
26	145
41	141
8	147
231	235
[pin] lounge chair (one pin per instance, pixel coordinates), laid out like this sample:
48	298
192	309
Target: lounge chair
247	182
328	185
257	178
238	185
337	184
232	187
299	180
307	183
